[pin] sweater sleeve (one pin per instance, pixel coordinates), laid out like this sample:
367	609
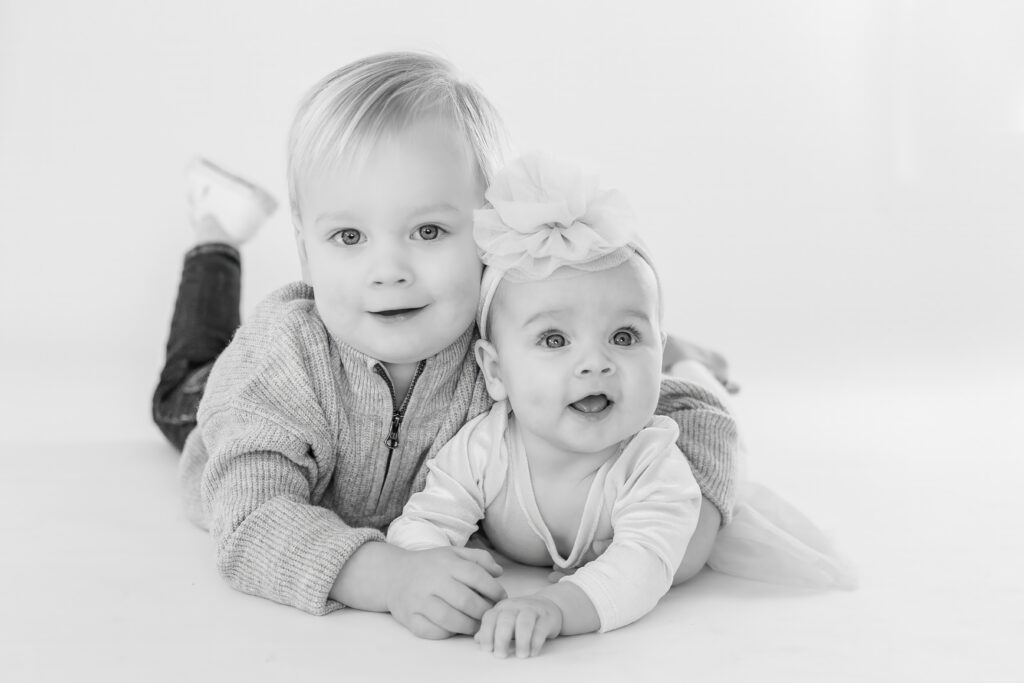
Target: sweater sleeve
707	437
271	540
453	500
653	519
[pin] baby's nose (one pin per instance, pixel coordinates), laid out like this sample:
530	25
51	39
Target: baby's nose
595	363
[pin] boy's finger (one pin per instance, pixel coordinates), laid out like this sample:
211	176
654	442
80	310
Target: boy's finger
463	598
447	617
482	558
477	578
424	628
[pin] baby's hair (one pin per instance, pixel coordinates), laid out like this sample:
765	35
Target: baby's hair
359	102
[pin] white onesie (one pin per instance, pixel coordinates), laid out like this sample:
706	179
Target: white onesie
639	516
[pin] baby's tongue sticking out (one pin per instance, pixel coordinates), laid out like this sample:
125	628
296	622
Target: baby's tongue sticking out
594	403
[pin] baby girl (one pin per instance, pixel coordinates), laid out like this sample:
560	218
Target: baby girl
570	468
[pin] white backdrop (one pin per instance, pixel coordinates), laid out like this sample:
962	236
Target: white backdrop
834	189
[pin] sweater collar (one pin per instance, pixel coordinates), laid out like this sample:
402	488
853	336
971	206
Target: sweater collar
441	364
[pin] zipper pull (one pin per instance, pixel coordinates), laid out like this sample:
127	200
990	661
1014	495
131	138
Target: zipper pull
392	440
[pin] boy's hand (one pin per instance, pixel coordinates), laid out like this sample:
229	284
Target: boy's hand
443	591
529	620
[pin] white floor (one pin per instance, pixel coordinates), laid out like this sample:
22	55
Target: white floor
102	575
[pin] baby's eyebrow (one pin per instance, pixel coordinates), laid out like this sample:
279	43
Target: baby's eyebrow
633	313
553	313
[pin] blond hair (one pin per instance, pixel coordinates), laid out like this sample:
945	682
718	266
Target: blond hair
385	92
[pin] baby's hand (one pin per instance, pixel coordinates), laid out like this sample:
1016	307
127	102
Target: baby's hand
528	620
444	591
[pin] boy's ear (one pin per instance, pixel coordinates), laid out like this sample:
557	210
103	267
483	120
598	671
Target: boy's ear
487	359
300	246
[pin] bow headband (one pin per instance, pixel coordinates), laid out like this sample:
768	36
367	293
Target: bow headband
546	214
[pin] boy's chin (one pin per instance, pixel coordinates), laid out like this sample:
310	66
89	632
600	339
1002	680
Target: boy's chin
406	356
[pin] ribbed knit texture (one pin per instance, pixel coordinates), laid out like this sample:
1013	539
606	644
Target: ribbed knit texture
287	464
707	437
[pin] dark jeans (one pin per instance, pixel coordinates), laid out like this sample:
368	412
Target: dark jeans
206	315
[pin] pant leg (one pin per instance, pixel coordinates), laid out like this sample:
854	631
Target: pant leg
206	315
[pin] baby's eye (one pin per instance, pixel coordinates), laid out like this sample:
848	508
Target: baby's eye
348	236
429	232
553	340
625	338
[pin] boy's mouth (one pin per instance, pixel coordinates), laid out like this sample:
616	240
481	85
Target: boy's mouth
397	313
594	404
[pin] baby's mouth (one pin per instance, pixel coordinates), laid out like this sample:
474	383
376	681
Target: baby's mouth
592	404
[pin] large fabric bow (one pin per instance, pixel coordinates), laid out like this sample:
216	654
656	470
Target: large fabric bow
546	214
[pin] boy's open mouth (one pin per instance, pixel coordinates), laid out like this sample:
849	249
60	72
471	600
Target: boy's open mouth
592	404
397	312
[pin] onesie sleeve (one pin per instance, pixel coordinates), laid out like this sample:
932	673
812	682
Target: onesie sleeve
461	480
271	540
707	437
653	518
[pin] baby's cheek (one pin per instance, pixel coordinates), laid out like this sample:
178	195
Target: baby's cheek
531	394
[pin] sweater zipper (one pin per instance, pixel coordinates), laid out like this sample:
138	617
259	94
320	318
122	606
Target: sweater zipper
398	412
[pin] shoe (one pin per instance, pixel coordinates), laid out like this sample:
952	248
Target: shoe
236	206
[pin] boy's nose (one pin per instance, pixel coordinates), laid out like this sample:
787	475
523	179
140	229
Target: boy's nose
390	269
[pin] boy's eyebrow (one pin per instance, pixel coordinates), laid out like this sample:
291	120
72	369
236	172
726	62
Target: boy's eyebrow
433	208
342	216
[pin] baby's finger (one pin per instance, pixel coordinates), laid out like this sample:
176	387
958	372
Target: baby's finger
525	623
485	636
544	629
504	628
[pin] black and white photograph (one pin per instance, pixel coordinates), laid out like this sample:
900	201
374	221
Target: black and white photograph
445	341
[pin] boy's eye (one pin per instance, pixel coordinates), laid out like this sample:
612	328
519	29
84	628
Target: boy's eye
624	338
348	236
428	232
553	340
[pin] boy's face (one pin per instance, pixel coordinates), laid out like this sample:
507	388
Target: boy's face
387	245
579	358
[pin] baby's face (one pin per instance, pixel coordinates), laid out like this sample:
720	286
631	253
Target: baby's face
580	358
387	245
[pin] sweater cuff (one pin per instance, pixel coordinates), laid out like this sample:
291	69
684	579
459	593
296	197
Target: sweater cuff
293	554
716	477
708	439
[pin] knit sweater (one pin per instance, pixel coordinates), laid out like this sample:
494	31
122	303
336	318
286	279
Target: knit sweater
290	466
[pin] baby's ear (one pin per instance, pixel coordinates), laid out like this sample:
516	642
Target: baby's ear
300	246
487	359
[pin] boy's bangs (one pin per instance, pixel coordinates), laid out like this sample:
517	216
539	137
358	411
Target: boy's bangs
329	146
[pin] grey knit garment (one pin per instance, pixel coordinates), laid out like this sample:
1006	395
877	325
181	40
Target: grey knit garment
288	466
